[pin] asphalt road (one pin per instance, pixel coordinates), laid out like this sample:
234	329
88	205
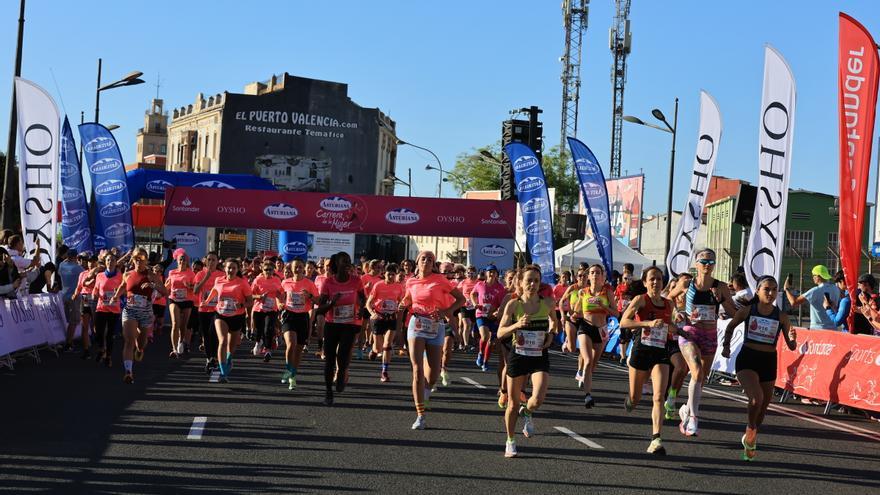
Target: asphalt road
72	426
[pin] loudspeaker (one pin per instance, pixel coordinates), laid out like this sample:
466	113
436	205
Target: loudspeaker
575	226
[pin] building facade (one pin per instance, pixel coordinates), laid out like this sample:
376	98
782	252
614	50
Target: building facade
653	237
152	138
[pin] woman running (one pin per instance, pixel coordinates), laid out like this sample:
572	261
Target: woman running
180	286
233	296
207	311
650	317
301	295
486	297
679	366
107	310
447	269
567	304
595	302
159	303
699	341
382	304
427	294
138	285
530	322
85	285
342	296
469	311
756	362
267	293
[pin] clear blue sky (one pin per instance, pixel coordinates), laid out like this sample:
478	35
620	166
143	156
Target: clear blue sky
449	72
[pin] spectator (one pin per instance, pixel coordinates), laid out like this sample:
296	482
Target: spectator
839	316
818	317
742	294
867	304
9	277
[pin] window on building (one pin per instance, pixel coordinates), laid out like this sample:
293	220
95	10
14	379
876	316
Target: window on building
832	261
163	149
799	240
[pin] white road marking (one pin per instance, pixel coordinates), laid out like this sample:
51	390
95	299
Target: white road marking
197	428
472	382
586	441
215	376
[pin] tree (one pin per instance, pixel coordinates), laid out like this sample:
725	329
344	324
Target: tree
473	171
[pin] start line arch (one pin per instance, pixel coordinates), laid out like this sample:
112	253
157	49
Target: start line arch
344	213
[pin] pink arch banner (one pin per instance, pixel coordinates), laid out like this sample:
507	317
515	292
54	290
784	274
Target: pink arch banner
332	212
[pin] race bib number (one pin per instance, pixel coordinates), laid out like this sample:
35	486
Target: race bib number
86	299
105	297
763	330
227	306
209	302
530	342
469	304
138	301
178	295
388	306
343	313
423	327
704	312
487	309
268	303
656	336
296	302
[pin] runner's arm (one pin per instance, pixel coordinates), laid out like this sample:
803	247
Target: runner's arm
507	325
628	320
734	322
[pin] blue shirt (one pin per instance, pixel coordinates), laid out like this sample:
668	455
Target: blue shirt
818	317
69	273
839	319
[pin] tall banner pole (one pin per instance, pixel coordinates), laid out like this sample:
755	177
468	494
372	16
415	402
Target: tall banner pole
681	250
858	70
8	215
776	133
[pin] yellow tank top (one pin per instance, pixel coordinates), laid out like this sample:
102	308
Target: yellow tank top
594	303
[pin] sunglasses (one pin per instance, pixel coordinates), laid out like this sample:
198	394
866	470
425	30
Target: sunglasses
706	262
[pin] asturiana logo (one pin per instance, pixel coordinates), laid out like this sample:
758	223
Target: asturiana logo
68	170
105	166
280	211
494	251
538	227
108	187
600	216
118	230
99	241
335	203
77	237
296	248
525	163
187	239
586	166
530	184
593	190
535	205
99	144
541	248
73	217
158	186
114	209
70	194
402	216
603	241
216	184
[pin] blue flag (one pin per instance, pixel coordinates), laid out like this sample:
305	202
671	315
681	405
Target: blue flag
76	232
109	188
293	245
534	202
595	195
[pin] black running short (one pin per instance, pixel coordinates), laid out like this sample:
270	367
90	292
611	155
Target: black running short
645	357
591	331
518	365
158	310
382	325
297	323
761	362
235	323
181	304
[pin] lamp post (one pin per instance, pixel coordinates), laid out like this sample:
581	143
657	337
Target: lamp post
392	179
131	79
438	168
671	129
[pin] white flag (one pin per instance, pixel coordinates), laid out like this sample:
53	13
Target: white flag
39	127
678	259
767	237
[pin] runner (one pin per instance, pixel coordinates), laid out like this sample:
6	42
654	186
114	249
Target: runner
649	317
342	296
469	311
382	304
233	296
595	302
569	301
180	286
137	317
621	292
107	310
447	269
700	339
319	317
301	294
530	323
207	311
679	366
486	297
159	303
85	286
371	276
756	362
427	294
267	293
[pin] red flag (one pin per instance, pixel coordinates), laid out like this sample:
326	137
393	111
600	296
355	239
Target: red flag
857	76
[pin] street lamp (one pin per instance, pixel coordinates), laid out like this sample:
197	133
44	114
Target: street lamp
131	79
439	195
671	129
392	179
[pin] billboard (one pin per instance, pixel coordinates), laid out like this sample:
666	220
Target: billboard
625	207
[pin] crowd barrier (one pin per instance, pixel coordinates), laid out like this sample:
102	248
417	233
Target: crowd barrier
29	322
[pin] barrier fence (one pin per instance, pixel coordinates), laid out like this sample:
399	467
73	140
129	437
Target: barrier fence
29	322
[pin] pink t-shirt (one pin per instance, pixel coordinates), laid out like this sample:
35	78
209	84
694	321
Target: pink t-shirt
466	286
386	297
266	292
319	281
489	297
104	289
207	305
85	291
347	307
180	284
429	294
295	302
369	281
231	295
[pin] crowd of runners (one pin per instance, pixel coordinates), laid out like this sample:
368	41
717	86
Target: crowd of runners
426	310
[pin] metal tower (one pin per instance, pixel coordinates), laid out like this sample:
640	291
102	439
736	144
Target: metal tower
620	42
574	14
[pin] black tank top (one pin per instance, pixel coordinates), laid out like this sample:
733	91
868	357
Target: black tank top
762	329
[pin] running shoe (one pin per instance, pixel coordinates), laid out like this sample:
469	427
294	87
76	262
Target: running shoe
208	367
656	447
580	379
528	430
223	379
691	429
685	414
485	367
291	383
510	449
669	405
385	377
444	378
180	348
628	405
285	376
479	360
267	357
173	355
589	402
420	423
128	378
256	349
340	386
502	400
750	449
138	355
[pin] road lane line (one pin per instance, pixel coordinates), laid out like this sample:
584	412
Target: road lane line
472	382
197	428
215	376
586	441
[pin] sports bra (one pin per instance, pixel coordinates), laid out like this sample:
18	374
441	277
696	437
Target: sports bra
594	303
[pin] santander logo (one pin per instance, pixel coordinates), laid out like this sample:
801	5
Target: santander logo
280	211
335	203
186	206
402	216
494	219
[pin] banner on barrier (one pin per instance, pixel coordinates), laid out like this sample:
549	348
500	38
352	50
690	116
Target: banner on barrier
31	321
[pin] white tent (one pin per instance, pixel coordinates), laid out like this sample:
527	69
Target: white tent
585	251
